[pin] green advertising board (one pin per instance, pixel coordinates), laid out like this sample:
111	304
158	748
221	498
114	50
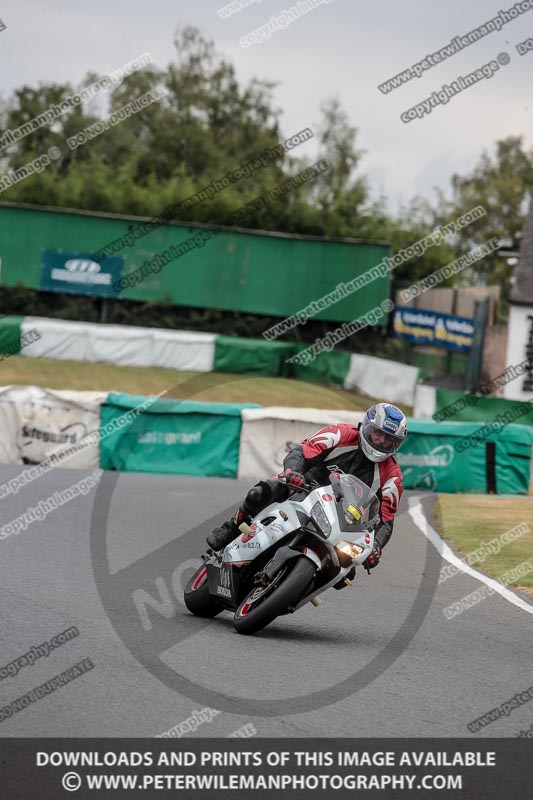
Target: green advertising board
500	463
179	437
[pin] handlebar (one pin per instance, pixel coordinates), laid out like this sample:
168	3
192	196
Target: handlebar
307	487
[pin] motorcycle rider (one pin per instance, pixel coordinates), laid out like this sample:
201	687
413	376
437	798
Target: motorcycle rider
367	452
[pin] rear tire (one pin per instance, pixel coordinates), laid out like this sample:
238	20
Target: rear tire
197	598
250	618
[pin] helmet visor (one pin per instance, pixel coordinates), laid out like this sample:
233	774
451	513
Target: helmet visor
380	440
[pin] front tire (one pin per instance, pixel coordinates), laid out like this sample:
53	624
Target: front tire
253	615
197	598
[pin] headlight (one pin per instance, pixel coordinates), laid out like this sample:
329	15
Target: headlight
349	549
319	517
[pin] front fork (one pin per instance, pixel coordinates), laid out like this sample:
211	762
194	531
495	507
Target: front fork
289	553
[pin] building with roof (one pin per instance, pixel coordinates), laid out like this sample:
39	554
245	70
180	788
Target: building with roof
520	330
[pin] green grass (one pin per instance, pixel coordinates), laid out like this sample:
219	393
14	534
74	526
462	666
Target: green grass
210	386
469	520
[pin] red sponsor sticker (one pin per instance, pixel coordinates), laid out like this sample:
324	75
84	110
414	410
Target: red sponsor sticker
247	536
367	538
327	497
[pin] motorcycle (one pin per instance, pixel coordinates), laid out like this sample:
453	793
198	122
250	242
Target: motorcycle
290	554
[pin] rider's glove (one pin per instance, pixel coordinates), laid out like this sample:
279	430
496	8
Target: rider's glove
373	559
292	478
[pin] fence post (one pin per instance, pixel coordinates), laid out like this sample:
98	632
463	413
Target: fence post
481	315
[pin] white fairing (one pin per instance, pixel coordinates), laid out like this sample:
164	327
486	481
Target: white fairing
248	546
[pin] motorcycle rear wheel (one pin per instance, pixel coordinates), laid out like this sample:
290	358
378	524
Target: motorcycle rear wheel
287	586
197	598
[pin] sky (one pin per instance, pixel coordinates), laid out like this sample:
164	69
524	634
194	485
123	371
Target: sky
338	48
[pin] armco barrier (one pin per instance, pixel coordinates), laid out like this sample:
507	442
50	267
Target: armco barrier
253	356
376	377
498	464
10	333
120	344
205	352
425	401
331	368
380	377
179	437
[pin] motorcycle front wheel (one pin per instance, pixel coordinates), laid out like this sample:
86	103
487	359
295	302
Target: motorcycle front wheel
265	603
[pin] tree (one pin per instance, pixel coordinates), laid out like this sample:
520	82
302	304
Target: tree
207	125
340	195
500	183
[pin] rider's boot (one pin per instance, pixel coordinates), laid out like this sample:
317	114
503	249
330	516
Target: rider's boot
219	538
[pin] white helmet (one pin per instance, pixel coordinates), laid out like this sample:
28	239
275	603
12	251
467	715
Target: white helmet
382	431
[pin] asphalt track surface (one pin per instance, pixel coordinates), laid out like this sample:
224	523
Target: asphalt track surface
409	671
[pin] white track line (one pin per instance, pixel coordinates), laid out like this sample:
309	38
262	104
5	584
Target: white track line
419	518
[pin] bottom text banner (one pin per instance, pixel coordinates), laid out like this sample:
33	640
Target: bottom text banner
298	768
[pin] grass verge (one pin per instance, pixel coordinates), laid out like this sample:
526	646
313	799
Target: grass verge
469	520
219	387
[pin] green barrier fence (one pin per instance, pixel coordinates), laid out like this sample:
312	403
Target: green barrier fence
235	269
499	463
10	334
184	437
259	357
331	368
173	436
481	409
253	356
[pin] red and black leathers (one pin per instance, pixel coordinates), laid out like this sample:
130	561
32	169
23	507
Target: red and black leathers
338	446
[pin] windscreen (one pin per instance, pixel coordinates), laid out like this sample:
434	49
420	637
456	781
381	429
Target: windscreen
357	505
